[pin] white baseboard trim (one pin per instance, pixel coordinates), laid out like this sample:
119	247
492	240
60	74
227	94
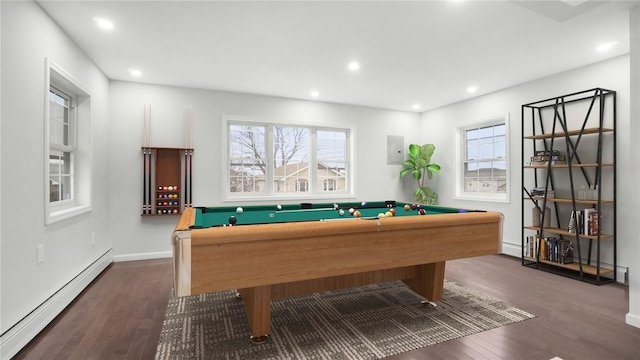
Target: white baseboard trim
143	256
512	249
633	320
26	329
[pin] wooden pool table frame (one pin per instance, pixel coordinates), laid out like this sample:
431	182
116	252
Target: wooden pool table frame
271	261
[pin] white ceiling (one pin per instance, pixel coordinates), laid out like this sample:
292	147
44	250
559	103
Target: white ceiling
419	52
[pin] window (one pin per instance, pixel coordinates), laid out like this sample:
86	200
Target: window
284	160
482	154
67	147
60	147
330	185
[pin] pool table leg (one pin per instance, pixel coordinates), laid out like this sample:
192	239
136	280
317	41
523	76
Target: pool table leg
429	281
257	302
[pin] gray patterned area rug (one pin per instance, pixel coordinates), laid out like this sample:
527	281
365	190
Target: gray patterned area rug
368	322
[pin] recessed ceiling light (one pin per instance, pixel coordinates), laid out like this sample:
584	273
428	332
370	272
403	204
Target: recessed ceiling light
135	72
606	46
472	89
315	93
354	66
416	106
103	23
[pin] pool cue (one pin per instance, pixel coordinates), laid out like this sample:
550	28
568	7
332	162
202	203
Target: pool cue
186	178
190	176
144	181
305	210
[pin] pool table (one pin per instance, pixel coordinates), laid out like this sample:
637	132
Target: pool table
273	251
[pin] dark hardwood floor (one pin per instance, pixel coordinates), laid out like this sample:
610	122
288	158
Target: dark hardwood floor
119	316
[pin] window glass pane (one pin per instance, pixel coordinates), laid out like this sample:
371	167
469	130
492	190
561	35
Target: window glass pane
246	176
485	166
486	151
291	159
485	132
247	142
332	155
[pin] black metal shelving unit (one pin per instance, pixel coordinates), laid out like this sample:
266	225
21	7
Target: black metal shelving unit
589	150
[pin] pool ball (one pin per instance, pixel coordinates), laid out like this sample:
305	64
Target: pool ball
388	214
381	215
169	187
407	207
175	187
462	210
232	220
363	204
335	206
165	188
341	212
175	211
414	206
393	212
279	207
422	211
239	210
159	187
351	211
357	213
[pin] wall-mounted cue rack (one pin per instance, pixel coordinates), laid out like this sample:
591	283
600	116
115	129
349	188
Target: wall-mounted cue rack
167	180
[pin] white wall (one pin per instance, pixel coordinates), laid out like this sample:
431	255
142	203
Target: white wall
438	127
629	182
137	237
28	36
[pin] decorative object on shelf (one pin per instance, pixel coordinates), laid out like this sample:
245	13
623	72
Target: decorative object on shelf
537	216
420	166
558	135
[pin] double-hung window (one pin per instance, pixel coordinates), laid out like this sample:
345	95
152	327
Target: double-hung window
67	179
286	160
61	147
482	157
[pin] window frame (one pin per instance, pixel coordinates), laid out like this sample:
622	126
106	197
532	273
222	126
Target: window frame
269	194
80	201
461	129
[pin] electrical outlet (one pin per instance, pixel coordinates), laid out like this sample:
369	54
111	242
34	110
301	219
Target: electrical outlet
40	251
93	238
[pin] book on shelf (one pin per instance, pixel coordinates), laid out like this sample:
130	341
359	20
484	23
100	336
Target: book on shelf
585	222
551	249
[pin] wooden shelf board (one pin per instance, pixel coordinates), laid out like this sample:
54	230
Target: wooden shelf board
569	201
588	269
584	165
164	148
570	133
564	232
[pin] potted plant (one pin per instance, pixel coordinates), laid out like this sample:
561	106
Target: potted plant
420	167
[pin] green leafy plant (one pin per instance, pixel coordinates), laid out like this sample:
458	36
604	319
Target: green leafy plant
420	166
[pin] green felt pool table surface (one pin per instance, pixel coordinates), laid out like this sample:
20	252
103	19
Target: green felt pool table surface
266	214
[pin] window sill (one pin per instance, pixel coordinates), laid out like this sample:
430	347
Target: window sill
54	216
486	198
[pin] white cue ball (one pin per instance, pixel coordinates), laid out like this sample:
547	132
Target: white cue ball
351	210
279	207
239	210
341	212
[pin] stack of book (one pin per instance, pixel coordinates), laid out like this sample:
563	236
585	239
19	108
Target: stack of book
544	157
585	222
540	191
551	249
